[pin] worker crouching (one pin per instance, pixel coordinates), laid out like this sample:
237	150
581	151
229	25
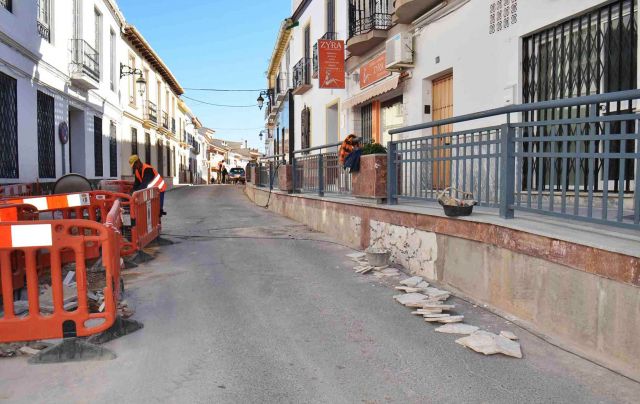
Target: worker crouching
147	177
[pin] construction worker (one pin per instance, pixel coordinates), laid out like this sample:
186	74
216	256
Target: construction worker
147	177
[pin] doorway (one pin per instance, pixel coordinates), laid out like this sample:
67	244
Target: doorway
333	124
442	109
77	163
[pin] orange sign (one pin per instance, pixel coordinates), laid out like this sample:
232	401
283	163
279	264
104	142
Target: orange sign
331	63
373	71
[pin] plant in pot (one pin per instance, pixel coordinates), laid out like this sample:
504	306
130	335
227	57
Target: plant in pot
371	180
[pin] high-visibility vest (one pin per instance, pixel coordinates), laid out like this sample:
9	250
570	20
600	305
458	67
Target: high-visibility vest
157	181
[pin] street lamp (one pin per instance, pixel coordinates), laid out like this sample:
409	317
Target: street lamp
140	81
263	93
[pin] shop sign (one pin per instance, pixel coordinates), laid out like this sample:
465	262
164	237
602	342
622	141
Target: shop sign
331	62
373	71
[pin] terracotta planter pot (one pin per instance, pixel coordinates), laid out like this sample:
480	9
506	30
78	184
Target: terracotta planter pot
371	180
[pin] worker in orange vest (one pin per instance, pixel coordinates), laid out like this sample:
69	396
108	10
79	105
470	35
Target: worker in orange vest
147	177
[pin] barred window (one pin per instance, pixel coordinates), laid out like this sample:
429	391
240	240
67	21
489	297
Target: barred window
160	156
306	127
46	137
113	151
97	146
134	141
8	126
147	148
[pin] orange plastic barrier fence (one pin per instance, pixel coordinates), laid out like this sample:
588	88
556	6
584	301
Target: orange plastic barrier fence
145	216
94	205
56	237
8	191
120	186
14	213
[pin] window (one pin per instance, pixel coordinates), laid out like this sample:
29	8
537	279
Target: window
167	150
134	141
46	137
160	156
8	126
305	120
97	146
44	19
6	4
366	121
331	17
77	19
159	95
113	151
112	59
98	38
147	148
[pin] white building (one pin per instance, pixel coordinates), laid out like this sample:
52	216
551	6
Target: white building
58	81
81	90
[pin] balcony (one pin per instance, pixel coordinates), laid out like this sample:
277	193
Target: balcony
6	4
369	21
44	31
302	76
165	120
406	11
85	72
150	114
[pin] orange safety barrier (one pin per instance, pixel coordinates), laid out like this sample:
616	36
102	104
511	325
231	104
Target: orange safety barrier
56	237
145	216
8	191
93	205
121	186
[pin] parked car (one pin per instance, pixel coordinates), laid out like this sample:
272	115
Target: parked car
237	175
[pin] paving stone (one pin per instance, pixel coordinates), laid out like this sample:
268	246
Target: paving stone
457	328
412	282
422	285
489	343
410	298
509	335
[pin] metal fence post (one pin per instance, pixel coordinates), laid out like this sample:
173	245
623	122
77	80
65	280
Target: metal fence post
320	174
293	174
392	174
507	171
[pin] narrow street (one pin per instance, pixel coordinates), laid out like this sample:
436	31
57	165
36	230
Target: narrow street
249	307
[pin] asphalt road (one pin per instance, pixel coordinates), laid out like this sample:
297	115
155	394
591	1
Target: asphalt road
249	307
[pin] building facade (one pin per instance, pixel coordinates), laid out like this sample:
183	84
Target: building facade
72	98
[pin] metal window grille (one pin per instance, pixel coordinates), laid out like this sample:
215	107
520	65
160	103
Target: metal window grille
331	16
113	151
46	136
134	141
167	150
593	53
160	156
147	148
8	126
305	120
173	161
97	146
366	119
6	4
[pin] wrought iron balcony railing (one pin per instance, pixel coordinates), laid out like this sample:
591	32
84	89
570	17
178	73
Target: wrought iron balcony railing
302	73
368	15
44	31
151	112
86	58
165	120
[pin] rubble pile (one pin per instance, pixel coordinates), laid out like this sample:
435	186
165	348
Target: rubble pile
430	303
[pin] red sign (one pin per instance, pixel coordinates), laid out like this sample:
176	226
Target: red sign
331	63
374	71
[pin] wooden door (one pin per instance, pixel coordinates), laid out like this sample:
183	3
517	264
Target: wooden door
442	109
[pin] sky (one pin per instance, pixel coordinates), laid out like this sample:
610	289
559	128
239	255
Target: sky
215	44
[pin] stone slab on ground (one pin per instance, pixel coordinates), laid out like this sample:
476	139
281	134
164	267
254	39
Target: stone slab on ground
489	343
408	298
457	328
509	335
411	282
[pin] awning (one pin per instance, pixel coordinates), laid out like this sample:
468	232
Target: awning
384	86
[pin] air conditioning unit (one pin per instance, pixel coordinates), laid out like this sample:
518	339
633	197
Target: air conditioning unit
399	51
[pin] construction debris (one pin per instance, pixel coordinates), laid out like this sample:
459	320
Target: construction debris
357	256
27	350
457	328
489	344
509	335
411	282
408	298
447	319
